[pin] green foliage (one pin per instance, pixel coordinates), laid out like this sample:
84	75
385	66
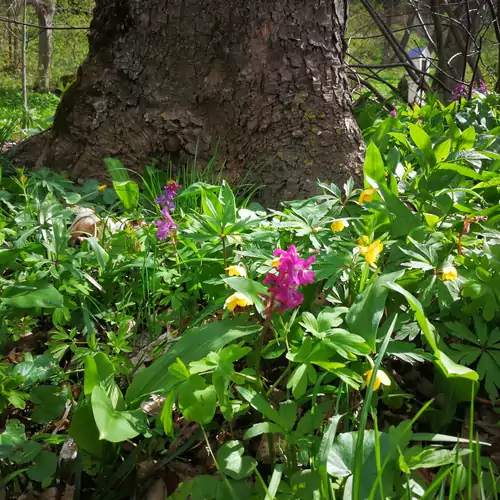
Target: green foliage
156	349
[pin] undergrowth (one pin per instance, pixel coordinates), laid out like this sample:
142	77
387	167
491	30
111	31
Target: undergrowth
344	346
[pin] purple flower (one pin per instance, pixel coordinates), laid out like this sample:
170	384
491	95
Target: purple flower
166	200
483	87
459	92
166	225
292	273
394	113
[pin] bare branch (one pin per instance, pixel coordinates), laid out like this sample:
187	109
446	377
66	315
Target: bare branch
14	21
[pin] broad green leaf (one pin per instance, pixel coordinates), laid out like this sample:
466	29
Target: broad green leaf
341	460
98	368
212	208
115	426
373	167
32	296
194	344
84	432
197	401
365	314
422	141
49	401
128	192
36	369
231	460
44	466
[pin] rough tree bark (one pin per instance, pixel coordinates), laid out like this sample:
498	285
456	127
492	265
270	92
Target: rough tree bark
45	10
264	80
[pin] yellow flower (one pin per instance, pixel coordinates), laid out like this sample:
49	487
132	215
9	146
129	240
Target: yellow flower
237	300
276	262
23	179
238	270
102	188
449	273
370	252
366	196
339	225
380	378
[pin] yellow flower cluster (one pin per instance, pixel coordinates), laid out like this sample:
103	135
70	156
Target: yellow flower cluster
370	251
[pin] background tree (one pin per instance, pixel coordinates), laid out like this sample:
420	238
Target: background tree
45	10
263	81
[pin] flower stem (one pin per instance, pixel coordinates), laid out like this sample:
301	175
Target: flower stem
280	378
364	277
223	238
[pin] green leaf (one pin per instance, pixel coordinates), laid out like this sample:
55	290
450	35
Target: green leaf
428	458
298	381
422	141
128	192
115	426
50	401
44	466
232	462
194	344
262	428
341	459
460	169
36	369
423	322
226	198
85	433
212	208
261	405
327	440
403	220
373	167
197	401
366	312
99	252
36	295
98	368
12	438
251	289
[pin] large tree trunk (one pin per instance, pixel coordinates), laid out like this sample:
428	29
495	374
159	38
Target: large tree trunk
45	10
262	80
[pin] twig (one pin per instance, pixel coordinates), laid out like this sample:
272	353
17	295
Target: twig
30	25
383	100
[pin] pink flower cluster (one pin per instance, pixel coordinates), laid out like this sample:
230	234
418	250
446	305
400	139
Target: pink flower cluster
166	225
292	273
167	198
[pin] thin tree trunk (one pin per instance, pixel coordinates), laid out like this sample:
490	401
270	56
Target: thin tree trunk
45	10
263	80
23	62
